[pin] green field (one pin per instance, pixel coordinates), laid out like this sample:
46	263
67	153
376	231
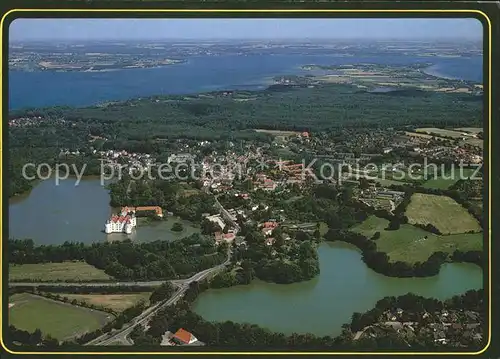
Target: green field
279	133
444	183
470	129
442	212
440	132
389	182
60	320
117	302
408	244
456	133
401	177
65	271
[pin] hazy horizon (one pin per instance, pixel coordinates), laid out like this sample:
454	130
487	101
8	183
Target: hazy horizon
247	40
41	30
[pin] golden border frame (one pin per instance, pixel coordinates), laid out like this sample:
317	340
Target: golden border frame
290	11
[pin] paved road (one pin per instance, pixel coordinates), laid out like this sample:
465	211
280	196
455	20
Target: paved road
156	283
227	216
97	284
121	336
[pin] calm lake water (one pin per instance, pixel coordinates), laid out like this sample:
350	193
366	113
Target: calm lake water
53	214
199	74
320	306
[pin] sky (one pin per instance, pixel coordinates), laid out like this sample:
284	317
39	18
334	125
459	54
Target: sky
130	29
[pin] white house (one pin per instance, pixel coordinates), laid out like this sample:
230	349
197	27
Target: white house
217	220
120	224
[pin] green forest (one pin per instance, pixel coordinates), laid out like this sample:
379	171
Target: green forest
146	125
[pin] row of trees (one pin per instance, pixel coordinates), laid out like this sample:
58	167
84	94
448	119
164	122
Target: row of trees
80	303
24	338
127	260
163	292
120	320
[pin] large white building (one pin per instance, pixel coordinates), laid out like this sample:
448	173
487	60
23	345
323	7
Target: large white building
217	220
123	223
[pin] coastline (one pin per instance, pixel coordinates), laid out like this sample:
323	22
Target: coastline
435	73
92	70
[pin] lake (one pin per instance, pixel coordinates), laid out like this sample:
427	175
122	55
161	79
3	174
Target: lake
53	214
199	74
320	306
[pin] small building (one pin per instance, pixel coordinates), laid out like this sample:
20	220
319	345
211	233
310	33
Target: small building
217	220
156	209
180	158
229	237
267	231
183	337
240	241
269	185
270	224
270	241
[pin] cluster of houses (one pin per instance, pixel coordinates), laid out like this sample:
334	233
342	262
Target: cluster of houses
294	171
115	154
180	158
381	198
421	144
264	183
133	160
31	121
444	326
455	154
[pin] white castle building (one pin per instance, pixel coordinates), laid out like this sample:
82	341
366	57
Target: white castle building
123	223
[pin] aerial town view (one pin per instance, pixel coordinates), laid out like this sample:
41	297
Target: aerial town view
236	184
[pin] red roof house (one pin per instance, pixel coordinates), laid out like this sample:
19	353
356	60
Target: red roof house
183	337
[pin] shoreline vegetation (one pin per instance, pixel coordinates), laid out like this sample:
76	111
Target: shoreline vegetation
391	78
381	263
229	333
84	66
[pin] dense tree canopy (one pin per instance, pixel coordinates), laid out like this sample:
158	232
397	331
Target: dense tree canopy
126	260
